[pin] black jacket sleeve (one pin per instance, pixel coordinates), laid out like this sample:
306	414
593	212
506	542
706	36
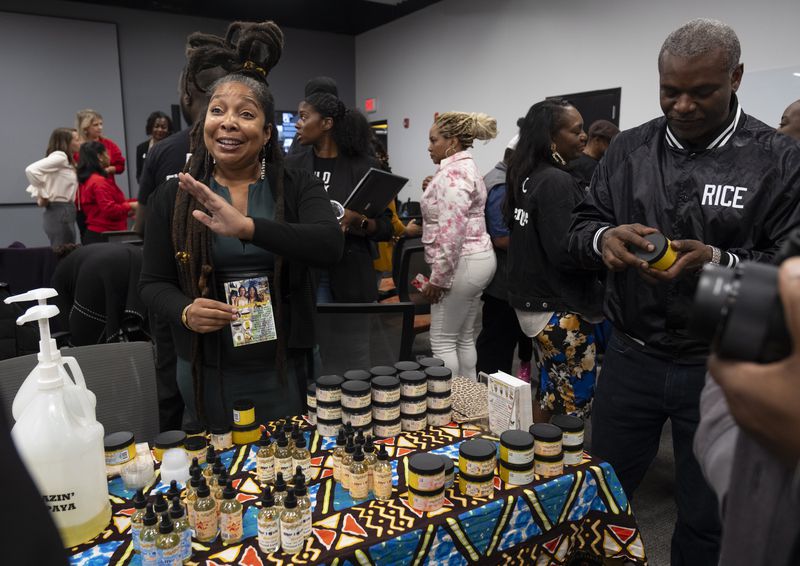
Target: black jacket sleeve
782	214
147	178
316	239
594	213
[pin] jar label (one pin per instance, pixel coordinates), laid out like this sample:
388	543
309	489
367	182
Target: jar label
439	402
476	467
206	524
265	468
230	526
572	438
424	503
573	458
119	457
517	457
382	483
269	535
547	448
426	483
349	402
416	390
386	395
329	413
413	425
237	416
548	469
516	477
359	420
329	395
292	538
443	419
413	408
478	489
359	486
386	414
439	385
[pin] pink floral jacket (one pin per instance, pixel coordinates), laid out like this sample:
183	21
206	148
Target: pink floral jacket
453	218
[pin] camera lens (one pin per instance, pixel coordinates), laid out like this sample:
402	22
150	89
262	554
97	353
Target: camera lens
740	313
716	289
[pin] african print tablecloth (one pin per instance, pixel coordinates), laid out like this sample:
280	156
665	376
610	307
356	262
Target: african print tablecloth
583	512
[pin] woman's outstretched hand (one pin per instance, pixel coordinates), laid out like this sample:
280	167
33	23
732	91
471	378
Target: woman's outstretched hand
222	217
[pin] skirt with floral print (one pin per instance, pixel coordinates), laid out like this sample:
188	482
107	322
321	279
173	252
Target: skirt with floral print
567	366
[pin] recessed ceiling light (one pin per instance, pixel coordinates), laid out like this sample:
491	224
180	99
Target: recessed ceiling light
796	74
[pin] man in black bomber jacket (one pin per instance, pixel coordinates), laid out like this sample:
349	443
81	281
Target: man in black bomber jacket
724	188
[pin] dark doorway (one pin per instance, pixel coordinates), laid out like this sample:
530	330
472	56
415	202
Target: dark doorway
596	105
381	129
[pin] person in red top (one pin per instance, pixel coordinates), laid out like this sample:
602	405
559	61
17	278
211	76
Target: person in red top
90	128
101	201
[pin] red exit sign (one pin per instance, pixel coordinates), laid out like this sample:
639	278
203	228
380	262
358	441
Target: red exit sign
371	105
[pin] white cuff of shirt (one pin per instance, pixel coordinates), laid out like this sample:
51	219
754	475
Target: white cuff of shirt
596	240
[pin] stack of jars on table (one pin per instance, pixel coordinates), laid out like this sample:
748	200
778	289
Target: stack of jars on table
384	401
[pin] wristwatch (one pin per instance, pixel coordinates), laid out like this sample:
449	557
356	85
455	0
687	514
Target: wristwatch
364	223
716	255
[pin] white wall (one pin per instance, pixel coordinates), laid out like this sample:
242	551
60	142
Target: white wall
151	56
501	56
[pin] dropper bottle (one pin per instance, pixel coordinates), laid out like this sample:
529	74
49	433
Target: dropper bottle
370	458
283	456
160	505
205	511
182	529
265	460
147	538
140	506
230	516
303	504
359	481
280	489
382	476
168	543
292	539
338	452
301	457
269	523
191	494
347	461
211	459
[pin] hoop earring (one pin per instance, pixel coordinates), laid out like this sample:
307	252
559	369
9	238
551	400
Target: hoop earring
557	156
448	149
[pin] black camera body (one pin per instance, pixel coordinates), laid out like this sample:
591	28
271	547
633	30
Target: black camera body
739	311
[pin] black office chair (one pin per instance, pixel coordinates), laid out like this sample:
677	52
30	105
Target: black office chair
363	335
122	376
412	263
123	237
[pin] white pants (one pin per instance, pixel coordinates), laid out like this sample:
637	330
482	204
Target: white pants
453	318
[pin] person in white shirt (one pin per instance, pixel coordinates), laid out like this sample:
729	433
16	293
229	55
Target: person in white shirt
53	183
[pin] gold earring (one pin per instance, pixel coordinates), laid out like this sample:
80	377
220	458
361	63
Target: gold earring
557	156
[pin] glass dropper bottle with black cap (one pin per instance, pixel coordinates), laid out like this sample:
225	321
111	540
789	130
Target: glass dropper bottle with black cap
269	523
292	539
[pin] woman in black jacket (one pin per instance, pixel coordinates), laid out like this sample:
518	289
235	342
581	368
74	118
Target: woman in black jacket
239	217
555	301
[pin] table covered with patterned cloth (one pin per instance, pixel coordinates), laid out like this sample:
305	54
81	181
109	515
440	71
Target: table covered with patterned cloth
583	512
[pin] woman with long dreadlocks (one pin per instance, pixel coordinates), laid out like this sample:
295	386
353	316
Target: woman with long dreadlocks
238	214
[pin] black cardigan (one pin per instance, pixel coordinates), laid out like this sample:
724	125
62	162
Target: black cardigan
310	235
352	278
